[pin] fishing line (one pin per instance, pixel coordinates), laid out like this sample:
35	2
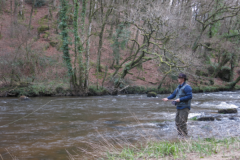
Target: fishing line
38	109
26	115
44	106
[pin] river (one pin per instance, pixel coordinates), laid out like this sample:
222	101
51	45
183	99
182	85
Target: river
65	123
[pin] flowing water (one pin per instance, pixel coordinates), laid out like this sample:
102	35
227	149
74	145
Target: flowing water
66	122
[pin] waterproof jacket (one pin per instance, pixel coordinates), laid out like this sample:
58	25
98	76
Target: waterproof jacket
184	93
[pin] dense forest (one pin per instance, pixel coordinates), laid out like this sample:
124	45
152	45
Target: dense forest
112	45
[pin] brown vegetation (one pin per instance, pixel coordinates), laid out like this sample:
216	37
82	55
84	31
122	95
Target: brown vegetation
121	43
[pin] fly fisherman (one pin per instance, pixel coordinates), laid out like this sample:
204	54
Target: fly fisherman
183	95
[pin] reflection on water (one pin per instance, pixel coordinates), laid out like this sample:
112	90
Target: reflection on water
68	121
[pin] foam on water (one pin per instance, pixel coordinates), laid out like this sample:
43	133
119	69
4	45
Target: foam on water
143	125
191	115
224	105
214	105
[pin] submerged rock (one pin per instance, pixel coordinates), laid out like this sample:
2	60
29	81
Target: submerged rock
206	119
229	110
24	98
112	122
152	94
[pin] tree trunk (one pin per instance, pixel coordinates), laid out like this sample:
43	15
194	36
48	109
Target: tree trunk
81	47
112	24
116	51
66	55
76	42
160	85
15	12
136	38
30	20
11	6
233	84
101	39
88	44
50	7
54	4
21	9
233	63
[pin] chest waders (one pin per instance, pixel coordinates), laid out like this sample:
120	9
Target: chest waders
182	114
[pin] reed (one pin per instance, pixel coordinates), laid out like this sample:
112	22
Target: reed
152	150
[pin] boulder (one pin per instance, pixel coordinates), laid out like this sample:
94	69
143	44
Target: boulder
24	98
152	94
229	110
206	119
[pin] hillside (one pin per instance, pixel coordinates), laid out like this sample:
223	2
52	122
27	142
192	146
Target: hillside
132	53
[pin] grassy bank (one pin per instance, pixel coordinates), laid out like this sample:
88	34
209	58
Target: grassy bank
178	149
62	89
45	89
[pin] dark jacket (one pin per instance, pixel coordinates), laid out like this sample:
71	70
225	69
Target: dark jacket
188	92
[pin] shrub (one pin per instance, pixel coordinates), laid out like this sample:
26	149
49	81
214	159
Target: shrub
59	90
224	74
94	91
42	28
201	73
211	69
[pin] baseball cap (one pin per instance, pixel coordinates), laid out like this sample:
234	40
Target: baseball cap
181	75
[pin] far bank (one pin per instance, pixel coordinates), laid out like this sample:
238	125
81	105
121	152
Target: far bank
55	89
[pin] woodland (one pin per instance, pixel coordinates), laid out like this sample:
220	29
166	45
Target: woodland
77	46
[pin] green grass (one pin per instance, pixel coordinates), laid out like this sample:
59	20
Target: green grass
94	91
193	119
175	150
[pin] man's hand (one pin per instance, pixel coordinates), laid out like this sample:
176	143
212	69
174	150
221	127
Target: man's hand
177	100
165	99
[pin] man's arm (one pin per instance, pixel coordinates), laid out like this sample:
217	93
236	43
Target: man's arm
173	95
188	91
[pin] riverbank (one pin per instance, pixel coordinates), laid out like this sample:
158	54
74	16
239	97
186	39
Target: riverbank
184	148
61	89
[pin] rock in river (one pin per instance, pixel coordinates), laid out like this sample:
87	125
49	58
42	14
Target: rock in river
229	110
152	94
206	119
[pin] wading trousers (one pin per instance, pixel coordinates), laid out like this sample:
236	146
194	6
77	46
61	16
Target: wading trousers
181	121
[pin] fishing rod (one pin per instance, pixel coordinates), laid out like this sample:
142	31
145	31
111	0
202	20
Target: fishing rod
173	101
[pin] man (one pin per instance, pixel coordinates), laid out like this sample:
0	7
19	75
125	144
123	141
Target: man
183	95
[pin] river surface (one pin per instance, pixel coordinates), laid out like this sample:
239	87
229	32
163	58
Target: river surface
65	123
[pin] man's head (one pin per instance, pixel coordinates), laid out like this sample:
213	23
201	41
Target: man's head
182	78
